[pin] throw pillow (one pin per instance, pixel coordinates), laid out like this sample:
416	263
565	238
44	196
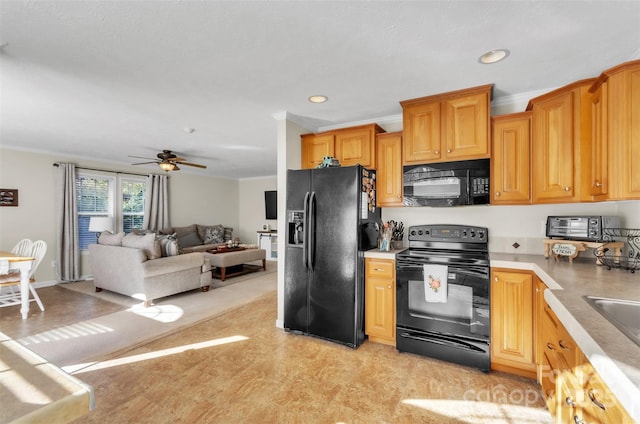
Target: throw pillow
189	239
109	239
148	243
228	231
214	234
169	245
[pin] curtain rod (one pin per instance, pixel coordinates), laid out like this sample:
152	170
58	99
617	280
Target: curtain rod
112	172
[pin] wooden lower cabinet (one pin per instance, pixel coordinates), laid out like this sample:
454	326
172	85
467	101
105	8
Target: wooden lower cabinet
572	388
380	300
512	324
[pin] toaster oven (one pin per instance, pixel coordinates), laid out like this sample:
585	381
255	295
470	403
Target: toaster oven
587	228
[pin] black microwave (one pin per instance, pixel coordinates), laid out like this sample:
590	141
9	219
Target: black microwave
446	184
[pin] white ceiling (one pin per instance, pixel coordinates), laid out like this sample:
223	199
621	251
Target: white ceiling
109	79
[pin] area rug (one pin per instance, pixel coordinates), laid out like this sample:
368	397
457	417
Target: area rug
76	346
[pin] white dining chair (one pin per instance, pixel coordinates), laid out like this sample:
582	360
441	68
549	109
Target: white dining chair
38	250
22	248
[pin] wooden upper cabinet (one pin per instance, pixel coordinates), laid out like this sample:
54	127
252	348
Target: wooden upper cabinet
421	130
617	108
511	159
599	171
351	146
447	127
389	169
314	148
560	133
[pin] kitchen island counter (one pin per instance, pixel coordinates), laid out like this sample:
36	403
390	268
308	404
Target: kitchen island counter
615	357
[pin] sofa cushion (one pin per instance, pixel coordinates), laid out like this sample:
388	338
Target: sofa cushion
148	243
228	232
189	239
169	245
109	239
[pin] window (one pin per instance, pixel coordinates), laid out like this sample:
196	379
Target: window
119	197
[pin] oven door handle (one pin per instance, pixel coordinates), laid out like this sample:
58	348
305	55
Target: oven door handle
443	341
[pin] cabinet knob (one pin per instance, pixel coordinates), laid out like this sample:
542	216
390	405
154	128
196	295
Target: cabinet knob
567	189
496	279
437	152
377	269
569	401
497	194
597	184
448	150
563	346
550	346
389	286
578	420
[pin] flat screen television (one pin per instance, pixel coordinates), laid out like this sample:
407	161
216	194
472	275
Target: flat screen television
271	204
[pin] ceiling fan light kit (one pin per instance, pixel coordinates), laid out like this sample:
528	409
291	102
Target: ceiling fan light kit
168	161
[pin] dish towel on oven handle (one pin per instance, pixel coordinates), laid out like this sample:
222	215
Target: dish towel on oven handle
435	283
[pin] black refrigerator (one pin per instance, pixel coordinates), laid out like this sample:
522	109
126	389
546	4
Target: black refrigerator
332	219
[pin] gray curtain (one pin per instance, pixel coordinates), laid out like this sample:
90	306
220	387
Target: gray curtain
68	250
156	207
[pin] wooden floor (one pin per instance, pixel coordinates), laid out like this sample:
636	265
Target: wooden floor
239	368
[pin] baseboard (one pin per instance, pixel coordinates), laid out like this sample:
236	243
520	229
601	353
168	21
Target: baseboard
279	323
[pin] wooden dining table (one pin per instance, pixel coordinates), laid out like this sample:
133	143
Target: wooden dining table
23	263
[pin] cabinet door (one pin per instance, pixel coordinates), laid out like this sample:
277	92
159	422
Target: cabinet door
465	128
389	169
624	132
380	301
421	133
314	148
553	150
599	177
512	322
510	160
355	146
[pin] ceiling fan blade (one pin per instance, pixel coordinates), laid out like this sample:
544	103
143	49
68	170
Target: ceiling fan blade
141	157
197	165
144	163
178	159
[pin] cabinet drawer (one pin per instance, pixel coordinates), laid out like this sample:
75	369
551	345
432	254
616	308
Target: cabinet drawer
381	268
598	403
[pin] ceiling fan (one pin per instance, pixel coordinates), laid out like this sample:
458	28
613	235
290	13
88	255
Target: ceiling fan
168	161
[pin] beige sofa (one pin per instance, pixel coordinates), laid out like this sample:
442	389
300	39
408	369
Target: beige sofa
141	272
199	238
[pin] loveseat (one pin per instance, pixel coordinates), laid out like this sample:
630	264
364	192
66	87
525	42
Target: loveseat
134	265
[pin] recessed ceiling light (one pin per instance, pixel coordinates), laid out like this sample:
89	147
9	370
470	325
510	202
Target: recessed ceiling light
189	130
493	56
318	98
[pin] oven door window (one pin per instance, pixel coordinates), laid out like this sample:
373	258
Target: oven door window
465	312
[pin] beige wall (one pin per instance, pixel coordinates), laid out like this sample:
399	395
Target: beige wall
194	199
251	207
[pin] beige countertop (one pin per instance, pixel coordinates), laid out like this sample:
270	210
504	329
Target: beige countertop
378	254
611	352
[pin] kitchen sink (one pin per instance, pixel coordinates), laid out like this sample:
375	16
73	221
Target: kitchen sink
624	314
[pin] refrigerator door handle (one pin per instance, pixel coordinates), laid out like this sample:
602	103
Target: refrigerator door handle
311	253
305	229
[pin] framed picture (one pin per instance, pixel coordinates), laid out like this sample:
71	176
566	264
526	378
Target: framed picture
8	197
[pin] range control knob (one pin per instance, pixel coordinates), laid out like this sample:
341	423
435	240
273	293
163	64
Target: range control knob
413	232
419	232
473	233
